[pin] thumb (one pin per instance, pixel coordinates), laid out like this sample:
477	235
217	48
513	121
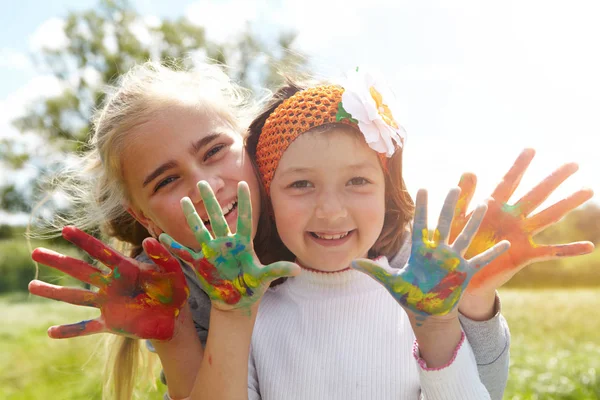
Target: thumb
280	269
185	254
374	270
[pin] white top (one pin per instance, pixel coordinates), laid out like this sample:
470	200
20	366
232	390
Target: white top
342	336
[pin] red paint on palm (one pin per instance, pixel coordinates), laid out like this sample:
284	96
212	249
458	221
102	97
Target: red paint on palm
135	299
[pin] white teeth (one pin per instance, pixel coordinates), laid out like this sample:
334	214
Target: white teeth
226	210
331	237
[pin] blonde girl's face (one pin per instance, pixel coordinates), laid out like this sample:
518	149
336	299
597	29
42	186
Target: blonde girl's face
328	196
164	159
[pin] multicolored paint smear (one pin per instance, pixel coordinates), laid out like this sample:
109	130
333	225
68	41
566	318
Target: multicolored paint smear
135	299
436	274
514	223
228	270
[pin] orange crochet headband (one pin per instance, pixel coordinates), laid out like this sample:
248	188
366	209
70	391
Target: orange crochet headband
303	111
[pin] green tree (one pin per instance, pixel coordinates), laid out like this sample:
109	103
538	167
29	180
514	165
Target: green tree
104	42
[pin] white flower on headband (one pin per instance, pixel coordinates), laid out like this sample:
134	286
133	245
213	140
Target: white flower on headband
369	103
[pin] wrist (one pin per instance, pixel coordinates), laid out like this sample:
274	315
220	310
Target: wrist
478	306
437	338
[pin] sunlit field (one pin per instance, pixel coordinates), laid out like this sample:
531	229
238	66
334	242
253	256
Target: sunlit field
555	351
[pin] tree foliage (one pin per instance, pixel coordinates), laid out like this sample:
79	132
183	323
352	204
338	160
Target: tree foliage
102	43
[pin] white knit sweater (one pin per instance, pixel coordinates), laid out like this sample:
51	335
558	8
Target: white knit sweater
342	336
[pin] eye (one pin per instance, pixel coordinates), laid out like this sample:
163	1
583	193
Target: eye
301	184
358	181
214	150
163	183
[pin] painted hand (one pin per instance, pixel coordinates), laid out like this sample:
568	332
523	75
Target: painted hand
227	267
436	274
504	221
135	299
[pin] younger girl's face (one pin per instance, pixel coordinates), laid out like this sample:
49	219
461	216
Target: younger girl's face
165	157
328	196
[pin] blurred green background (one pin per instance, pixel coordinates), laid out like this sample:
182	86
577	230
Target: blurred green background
551	306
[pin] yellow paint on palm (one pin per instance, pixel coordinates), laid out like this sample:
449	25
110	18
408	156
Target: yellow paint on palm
239	285
414	293
483	240
431	303
251	281
208	252
383	110
451	263
433	243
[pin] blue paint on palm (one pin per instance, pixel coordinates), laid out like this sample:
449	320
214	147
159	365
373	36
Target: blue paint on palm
240	248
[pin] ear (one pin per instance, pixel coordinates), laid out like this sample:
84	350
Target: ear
145	221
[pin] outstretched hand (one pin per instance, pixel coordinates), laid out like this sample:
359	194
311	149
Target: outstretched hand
135	299
513	222
436	274
227	267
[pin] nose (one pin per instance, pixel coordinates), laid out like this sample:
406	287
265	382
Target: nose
330	206
216	183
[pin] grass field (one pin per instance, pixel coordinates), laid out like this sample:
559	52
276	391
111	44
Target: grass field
555	352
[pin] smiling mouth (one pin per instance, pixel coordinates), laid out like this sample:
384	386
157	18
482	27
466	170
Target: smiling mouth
329	236
228	209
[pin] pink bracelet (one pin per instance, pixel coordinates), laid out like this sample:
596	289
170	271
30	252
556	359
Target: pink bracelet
183	398
422	362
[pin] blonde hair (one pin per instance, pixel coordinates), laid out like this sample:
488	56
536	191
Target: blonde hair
93	184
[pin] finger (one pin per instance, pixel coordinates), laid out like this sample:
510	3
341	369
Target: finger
215	213
561	250
481	260
78	269
280	269
78	297
447	215
538	194
467	185
194	221
82	328
182	252
420	232
511	180
244	222
95	248
374	270
463	241
158	286
556	212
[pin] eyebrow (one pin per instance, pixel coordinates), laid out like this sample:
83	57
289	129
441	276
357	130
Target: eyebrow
172	164
363	165
158	171
203	142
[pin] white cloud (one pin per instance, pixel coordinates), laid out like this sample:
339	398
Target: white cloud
12	59
223	20
15	103
50	35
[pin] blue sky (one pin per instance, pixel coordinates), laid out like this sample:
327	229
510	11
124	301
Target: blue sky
476	81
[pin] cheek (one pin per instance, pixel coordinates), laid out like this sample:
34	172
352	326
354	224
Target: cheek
291	216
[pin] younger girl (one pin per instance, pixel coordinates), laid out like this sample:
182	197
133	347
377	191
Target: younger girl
333	332
192	126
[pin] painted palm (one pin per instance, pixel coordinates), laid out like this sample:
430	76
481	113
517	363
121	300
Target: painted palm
227	267
436	274
135	299
513	222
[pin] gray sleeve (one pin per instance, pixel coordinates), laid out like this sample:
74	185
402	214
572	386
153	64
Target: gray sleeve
489	339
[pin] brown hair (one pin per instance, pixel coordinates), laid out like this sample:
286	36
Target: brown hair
399	206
